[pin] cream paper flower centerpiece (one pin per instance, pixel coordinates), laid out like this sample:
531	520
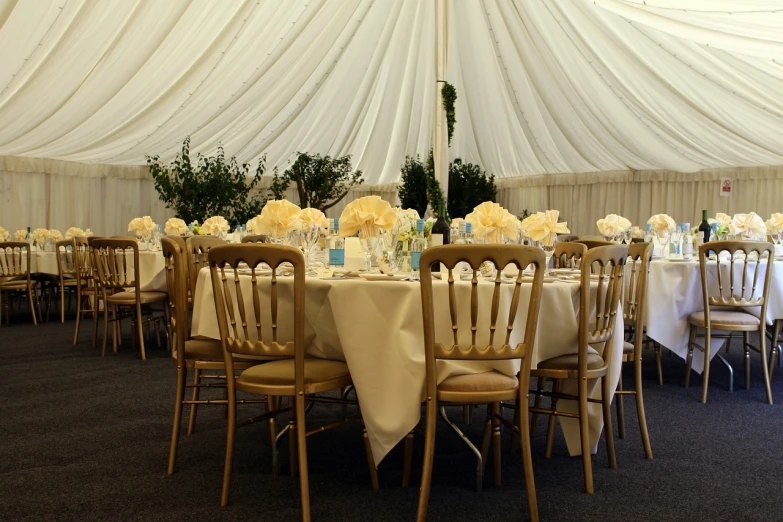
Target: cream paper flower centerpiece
493	222
142	226
20	235
775	223
277	219
175	227
215	226
543	227
613	225
661	222
368	216
749	224
74	232
39	236
3	234
54	235
312	217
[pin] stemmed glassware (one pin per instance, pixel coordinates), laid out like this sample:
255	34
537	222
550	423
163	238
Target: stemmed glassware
368	239
390	240
627	236
549	247
676	234
664	236
309	235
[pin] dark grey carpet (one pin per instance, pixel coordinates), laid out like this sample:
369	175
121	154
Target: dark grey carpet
87	438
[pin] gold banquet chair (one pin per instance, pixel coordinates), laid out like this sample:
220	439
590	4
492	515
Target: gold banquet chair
15	277
255	238
120	287
197	250
728	309
292	375
634	306
593	242
604	267
569	254
87	295
489	387
66	272
199	354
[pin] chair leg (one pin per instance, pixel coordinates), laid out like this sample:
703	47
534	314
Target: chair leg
30	299
763	350
689	358
637	386
193	407
270	407
657	348
537	404
746	350
514	434
496	442
774	353
139	328
606	405
527	456
706	375
485	443
230	433
78	316
429	454
95	313
584	436
179	396
62	304
105	328
292	439
550	432
406	465
620	407
301	446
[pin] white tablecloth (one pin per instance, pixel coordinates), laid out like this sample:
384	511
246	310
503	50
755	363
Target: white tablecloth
151	265
674	292
376	328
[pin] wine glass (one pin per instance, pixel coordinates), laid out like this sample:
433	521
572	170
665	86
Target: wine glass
676	234
664	236
390	240
368	239
548	245
309	235
627	236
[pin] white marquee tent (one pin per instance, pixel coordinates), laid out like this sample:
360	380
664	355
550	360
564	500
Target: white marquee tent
626	106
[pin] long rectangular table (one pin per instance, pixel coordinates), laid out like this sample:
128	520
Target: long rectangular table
376	327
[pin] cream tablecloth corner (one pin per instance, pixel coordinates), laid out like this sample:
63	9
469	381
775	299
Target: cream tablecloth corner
674	292
376	328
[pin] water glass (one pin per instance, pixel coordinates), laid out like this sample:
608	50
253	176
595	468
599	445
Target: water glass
627	236
664	236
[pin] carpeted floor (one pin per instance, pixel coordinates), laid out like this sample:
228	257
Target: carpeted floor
87	438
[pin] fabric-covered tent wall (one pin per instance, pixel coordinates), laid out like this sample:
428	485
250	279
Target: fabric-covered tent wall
546	89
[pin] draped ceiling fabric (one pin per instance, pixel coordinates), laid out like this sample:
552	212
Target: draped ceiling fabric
615	93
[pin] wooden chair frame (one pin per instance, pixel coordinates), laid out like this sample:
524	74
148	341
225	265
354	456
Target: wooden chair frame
15	277
66	271
474	255
255	238
569	254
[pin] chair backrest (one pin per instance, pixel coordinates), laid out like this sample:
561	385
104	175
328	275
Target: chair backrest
174	260
565	238
15	259
734	289
83	262
593	243
256	238
66	258
604	267
112	259
197	249
496	348
240	315
640	255
569	255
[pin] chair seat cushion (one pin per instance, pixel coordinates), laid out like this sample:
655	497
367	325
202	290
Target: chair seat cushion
204	349
281	372
17	284
725	316
129	297
479	382
627	347
571	362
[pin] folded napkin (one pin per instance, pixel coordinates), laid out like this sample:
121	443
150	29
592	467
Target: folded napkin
312	217
277	219
215	225
493	222
77	232
3	234
749	224
368	216
613	225
175	227
775	223
661	222
54	234
20	235
39	235
543	227
142	226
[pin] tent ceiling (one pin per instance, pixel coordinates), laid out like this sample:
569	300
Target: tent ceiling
543	86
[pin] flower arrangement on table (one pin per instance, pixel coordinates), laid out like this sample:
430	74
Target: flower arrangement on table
215	226
724	225
613	226
39	236
493	223
662	223
544	227
3	234
20	235
749	226
142	226
277	219
775	226
77	232
369	216
176	227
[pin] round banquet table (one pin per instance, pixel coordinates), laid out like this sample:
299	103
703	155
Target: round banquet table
151	268
674	292
376	327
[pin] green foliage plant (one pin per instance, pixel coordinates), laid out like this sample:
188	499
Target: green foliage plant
321	181
469	186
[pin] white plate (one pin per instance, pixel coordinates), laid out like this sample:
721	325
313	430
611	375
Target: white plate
383	277
678	260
